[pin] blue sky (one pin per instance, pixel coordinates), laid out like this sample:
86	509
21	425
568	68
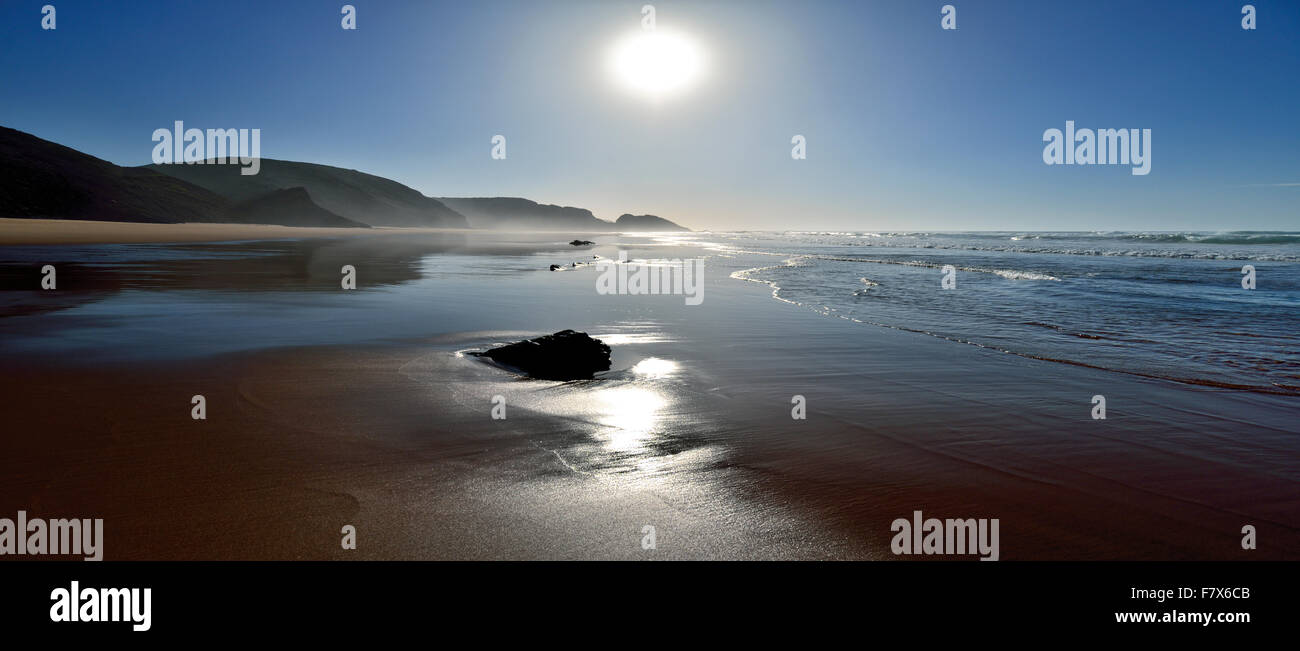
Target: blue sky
908	126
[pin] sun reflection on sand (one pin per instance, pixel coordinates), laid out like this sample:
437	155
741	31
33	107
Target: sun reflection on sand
629	423
625	338
655	367
629	415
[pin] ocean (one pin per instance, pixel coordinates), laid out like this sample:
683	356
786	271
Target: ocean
1168	305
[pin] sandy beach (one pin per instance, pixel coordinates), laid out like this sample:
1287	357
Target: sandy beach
360	408
65	231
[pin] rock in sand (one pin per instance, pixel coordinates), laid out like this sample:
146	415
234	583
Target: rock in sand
565	355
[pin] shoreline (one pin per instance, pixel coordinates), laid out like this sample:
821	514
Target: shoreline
23	232
373	419
15	231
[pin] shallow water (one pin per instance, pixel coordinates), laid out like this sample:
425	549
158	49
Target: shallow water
1166	305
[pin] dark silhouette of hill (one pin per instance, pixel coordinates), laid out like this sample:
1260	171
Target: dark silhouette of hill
39	178
288	207
627	222
42	179
515	212
360	197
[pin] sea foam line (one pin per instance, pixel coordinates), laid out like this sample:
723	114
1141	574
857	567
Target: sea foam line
744	274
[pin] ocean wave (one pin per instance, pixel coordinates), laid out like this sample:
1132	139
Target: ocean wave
865	291
1198	237
1207	245
1251	239
1190	254
1209	237
1274	388
1020	275
748	275
1009	274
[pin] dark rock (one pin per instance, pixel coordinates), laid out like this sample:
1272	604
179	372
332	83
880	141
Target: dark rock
565	355
581	243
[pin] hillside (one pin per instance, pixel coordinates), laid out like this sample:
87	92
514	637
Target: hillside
360	197
514	212
518	213
628	222
42	179
39	178
288	207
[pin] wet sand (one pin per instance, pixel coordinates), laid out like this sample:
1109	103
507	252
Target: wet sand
395	437
65	231
298	444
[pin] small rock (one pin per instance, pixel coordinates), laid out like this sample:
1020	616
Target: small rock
565	355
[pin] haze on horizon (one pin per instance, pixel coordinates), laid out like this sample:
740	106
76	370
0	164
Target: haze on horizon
908	126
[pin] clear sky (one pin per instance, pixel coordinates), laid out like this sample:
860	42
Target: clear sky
908	126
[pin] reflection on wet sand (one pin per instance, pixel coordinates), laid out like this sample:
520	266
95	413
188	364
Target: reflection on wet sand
88	273
629	416
629	422
655	367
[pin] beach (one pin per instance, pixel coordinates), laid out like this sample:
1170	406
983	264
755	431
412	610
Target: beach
329	407
66	231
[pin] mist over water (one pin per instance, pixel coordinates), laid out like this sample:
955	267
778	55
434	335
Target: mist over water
1166	305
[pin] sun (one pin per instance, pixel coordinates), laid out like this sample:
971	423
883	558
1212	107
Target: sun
656	63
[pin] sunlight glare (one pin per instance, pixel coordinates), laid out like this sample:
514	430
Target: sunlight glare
630	416
655	367
657	63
